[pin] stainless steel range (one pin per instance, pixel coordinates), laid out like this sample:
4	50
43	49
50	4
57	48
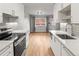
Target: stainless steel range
5	34
19	40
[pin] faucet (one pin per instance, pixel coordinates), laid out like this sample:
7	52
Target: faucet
71	28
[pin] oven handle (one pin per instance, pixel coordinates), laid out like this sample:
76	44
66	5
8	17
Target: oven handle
17	42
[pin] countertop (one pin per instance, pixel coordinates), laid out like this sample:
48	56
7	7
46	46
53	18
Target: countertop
72	45
19	31
4	43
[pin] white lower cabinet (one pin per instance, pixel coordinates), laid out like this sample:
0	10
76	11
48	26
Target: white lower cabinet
59	49
7	51
1	18
56	46
66	51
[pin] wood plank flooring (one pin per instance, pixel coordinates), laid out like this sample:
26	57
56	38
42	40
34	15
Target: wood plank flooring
39	45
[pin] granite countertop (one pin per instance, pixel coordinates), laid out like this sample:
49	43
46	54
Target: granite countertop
72	45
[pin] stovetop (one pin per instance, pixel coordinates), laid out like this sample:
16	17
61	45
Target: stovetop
14	37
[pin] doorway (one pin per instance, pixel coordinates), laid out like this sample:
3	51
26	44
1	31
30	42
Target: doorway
38	23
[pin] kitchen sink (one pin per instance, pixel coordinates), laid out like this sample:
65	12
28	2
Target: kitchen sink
65	36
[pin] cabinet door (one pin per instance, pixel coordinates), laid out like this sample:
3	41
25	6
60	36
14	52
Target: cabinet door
75	12
57	47
53	46
52	42
1	18
65	5
7	51
66	52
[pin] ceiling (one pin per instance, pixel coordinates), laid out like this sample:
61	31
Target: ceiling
33	8
38	4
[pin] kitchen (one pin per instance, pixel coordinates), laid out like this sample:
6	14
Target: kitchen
39	29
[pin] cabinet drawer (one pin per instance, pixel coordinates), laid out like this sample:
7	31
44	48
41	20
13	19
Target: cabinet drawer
66	52
7	51
57	48
4	50
1	18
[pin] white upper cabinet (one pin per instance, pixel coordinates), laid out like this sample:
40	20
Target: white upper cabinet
69	12
1	18
56	9
14	9
65	5
59	6
65	14
75	12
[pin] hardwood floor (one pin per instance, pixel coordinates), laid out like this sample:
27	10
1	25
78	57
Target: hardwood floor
39	45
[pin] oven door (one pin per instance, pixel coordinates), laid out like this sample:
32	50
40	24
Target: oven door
19	46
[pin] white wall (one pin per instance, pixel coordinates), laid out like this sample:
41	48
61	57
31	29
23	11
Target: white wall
19	11
8	7
31	8
53	25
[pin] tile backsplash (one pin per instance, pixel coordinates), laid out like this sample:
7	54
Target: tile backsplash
75	29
